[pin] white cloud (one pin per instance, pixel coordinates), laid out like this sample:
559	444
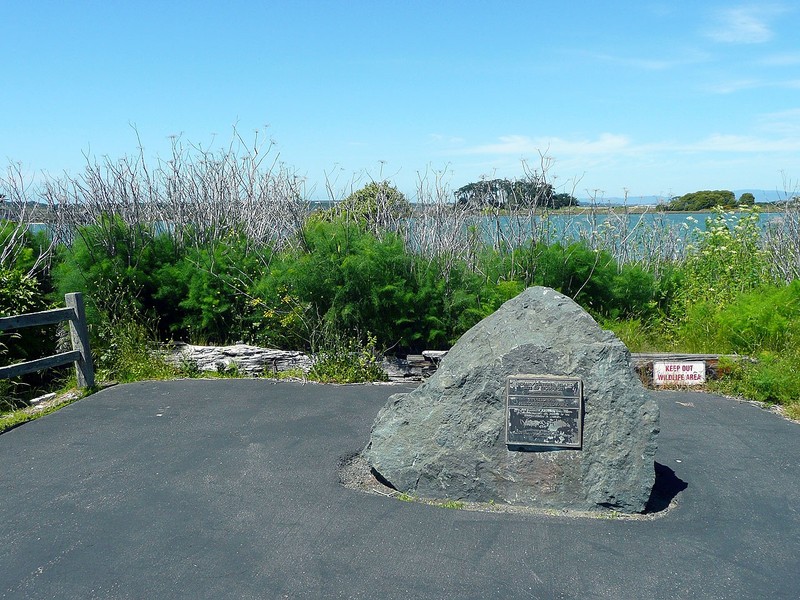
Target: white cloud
730	87
785	122
440	138
520	145
608	147
646	64
732	143
611	160
681	59
780	60
744	25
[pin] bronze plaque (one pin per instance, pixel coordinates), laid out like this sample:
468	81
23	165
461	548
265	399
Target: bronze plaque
544	410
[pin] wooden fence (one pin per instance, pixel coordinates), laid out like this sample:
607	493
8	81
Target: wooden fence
80	354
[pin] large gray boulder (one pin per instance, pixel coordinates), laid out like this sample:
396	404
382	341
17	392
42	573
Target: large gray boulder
446	439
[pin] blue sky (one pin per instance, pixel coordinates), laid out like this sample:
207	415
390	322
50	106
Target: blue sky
659	98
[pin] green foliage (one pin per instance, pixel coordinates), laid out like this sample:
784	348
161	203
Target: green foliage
23	292
747	199
17	416
703	200
19	293
115	266
349	280
346	280
763	323
376	202
640	335
507	194
766	318
726	258
27	246
347	360
724	261
281	319
198	294
294	373
774	378
593	279
203	295
126	350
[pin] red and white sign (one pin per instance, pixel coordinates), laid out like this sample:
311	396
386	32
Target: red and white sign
679	373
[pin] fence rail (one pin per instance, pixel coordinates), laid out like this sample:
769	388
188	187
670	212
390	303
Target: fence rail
80	354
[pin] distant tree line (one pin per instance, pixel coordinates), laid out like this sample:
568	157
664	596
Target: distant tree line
706	199
506	194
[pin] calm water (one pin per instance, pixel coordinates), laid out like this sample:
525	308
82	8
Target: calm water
577	226
561	226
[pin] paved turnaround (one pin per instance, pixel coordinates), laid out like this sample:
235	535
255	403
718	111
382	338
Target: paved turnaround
229	489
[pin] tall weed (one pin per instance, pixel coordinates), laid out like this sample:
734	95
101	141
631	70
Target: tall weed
343	359
725	259
127	350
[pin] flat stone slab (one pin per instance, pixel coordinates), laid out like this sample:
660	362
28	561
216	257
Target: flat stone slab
259	361
251	360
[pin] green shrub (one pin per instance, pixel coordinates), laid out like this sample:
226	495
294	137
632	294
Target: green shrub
204	296
376	205
344	279
764	319
639	335
115	265
592	278
20	294
347	279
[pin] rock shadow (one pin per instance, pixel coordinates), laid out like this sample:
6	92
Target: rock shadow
666	487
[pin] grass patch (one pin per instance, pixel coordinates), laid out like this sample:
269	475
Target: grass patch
451	504
793	411
14	418
296	373
638	335
774	379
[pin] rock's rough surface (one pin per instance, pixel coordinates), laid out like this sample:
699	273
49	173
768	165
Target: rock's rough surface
446	439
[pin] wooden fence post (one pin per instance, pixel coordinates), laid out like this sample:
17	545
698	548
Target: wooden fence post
79	333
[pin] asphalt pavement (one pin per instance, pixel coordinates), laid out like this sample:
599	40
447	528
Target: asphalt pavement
229	489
